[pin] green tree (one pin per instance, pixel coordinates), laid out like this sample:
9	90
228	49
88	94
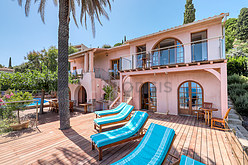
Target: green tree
89	8
117	44
189	14
10	64
125	38
34	59
71	50
242	25
106	46
230	31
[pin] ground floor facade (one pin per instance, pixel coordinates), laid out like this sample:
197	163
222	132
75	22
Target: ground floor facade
178	91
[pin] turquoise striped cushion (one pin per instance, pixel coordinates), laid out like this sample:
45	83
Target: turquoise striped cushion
132	127
188	161
153	147
119	117
111	111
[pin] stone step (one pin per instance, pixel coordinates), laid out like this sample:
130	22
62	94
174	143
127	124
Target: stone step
243	131
233	116
232	112
235	121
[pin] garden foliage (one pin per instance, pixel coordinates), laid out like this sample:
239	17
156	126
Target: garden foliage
238	92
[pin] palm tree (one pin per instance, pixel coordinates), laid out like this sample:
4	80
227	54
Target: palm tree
89	8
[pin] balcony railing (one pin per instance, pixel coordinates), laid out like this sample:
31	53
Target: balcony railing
172	55
77	73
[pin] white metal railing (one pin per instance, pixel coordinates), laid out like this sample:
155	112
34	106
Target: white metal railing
174	54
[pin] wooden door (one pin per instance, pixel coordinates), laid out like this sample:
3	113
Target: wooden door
190	97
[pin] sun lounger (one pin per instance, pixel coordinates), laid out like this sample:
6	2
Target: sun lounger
121	117
131	131
153	148
187	161
111	111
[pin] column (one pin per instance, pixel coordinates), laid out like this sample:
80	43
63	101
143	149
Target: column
121	88
223	82
86	62
91	61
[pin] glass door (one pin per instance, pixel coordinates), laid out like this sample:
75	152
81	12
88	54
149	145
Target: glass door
190	97
148	97
115	68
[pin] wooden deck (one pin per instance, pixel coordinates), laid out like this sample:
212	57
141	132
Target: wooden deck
73	146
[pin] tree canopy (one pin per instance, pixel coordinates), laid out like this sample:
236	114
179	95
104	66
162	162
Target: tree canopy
230	31
242	25
106	46
189	14
47	57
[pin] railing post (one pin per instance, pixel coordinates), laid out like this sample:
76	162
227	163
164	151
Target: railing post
120	65
132	62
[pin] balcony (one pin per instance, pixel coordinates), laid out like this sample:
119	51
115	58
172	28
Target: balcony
77	73
174	55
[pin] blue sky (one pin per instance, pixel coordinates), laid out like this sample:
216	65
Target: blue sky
20	34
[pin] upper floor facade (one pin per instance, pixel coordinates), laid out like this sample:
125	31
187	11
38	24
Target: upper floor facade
199	41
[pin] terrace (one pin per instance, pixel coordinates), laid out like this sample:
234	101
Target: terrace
50	145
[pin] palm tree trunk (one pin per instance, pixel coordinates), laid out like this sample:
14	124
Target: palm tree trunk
42	101
63	37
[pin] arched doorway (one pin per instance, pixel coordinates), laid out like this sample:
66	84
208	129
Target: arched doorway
148	96
168	51
82	95
190	97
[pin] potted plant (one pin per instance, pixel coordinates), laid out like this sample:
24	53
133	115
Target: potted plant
108	96
14	103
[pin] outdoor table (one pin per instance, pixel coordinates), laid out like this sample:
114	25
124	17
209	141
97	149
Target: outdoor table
85	105
208	112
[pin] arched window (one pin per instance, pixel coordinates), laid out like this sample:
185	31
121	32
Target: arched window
168	51
190	97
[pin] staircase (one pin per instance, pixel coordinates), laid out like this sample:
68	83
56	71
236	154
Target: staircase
105	76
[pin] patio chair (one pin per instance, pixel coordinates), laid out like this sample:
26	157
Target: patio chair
121	117
202	112
111	111
222	122
131	131
187	161
153	148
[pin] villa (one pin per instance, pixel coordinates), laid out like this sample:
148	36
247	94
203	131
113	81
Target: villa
172	71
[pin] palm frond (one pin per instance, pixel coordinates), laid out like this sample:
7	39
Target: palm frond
55	2
20	2
73	11
89	8
93	9
27	7
41	9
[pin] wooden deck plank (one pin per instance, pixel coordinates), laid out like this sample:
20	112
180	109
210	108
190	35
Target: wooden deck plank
211	158
197	152
52	146
204	148
216	147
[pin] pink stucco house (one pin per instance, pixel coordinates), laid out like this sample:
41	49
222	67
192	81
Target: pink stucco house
171	71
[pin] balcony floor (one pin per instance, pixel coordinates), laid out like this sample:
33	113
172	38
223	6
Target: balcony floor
73	146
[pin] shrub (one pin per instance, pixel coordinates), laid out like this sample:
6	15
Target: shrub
235	78
237	64
241	104
238	92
